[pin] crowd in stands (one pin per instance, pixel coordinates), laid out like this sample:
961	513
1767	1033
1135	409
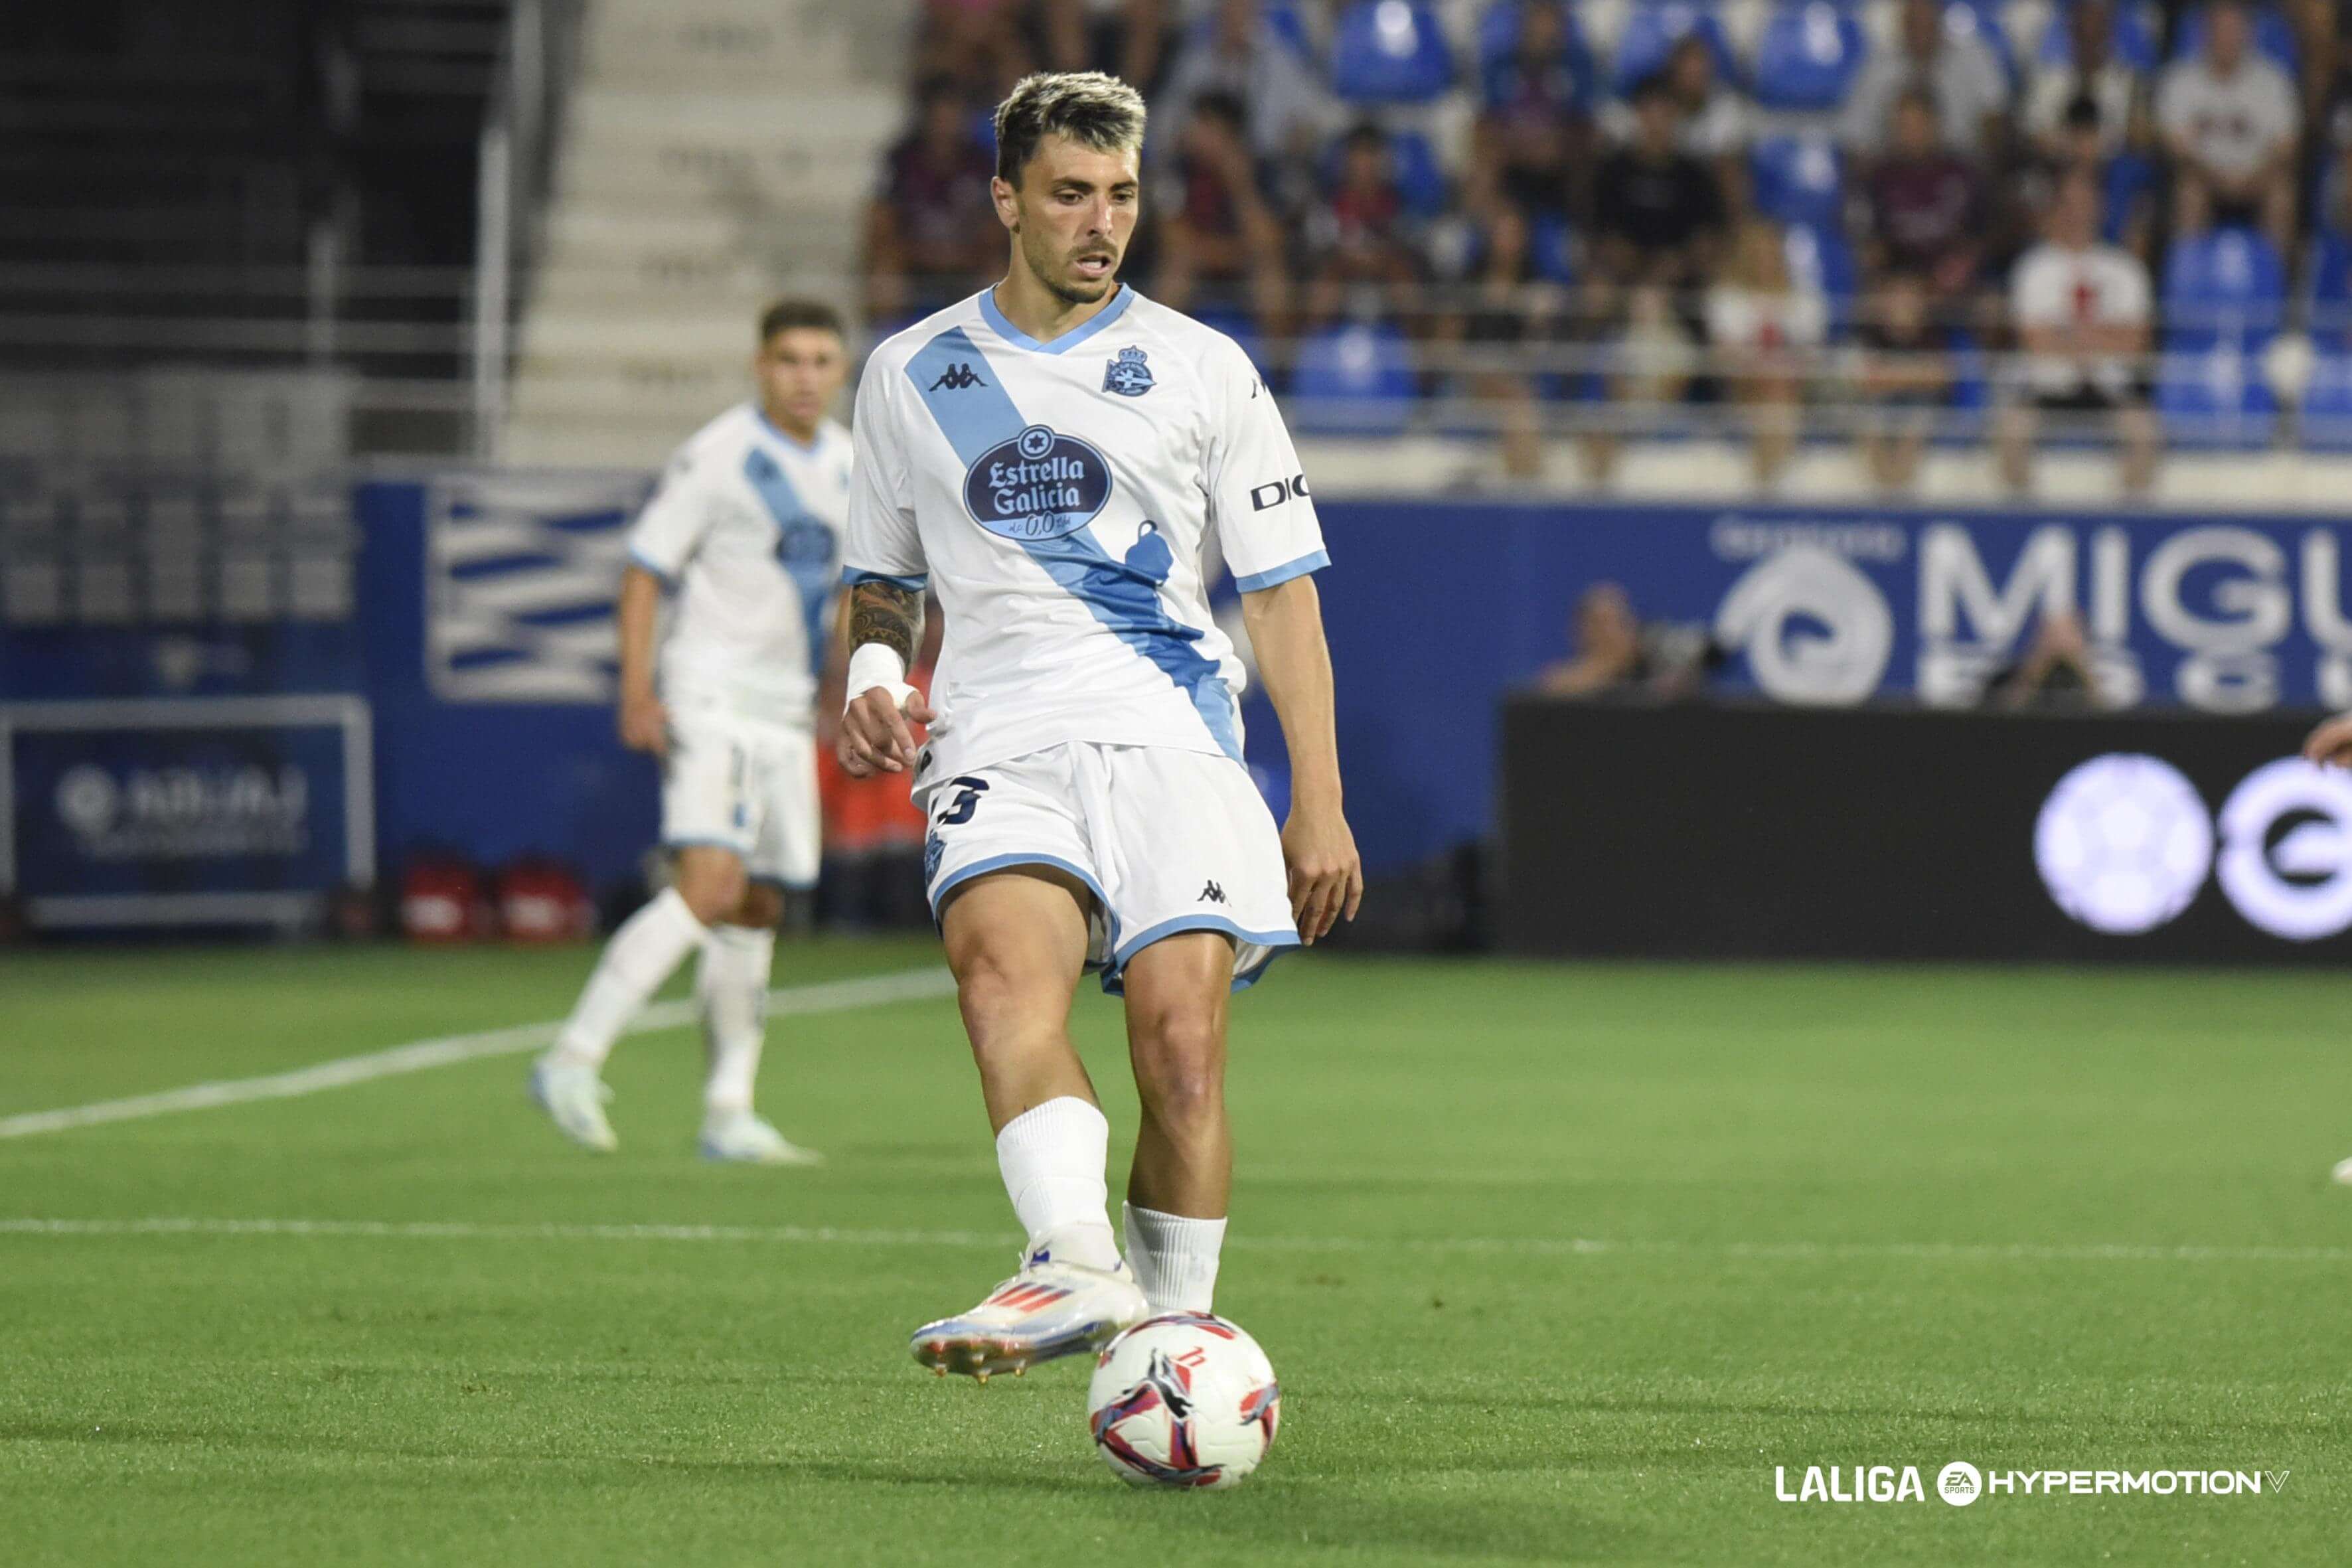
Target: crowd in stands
1894	221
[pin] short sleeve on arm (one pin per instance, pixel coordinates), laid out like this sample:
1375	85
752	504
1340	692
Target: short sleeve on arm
1258	497
670	528
881	542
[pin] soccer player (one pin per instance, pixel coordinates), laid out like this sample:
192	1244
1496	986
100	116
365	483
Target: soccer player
1055	458
746	526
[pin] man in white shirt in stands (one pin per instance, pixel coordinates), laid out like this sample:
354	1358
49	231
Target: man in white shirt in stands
2082	312
746	527
2228	118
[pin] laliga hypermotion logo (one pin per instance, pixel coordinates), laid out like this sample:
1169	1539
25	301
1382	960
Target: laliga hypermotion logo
2124	844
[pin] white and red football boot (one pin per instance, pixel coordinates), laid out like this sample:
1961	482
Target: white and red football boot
1047	1310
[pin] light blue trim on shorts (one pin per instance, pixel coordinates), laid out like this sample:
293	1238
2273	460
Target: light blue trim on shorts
963	874
784	882
739	848
1114	984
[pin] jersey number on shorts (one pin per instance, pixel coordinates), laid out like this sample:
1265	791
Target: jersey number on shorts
967	801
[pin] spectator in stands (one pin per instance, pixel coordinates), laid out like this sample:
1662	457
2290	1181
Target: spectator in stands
1220	231
1657	212
932	231
981	46
1651	362
1532	140
1969	89
1241	56
2081	309
1925	203
2127	182
1901	376
2057	673
1126	37
1506	310
1766	332
1617	655
1366	248
2229	120
2096	72
1716	119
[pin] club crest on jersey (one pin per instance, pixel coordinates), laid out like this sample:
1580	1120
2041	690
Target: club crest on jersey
1127	374
1038	485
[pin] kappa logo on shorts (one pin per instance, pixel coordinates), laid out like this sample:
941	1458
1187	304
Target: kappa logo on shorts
1213	894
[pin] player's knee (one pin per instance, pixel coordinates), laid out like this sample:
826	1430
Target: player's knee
998	1000
762	907
712	885
1179	1066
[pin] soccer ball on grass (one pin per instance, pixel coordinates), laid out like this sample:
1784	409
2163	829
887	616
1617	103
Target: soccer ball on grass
1183	1400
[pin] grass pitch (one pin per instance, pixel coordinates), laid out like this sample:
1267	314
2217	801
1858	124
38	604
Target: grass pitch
1555	1263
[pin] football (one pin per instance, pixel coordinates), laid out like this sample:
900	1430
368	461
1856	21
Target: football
1183	1400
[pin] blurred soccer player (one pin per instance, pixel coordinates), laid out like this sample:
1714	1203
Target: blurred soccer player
1053	456
746	527
2330	745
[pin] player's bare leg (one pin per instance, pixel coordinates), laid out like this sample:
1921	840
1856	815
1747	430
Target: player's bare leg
1017	942
1176	994
706	884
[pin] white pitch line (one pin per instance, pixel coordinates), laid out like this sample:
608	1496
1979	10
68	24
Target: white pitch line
1794	1251
828	996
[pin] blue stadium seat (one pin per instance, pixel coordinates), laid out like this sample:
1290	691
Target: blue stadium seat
1285	22
1808	56
1390	51
1551	255
1237	325
2274	36
1420	177
1653	30
1355	378
2226	289
2215	397
2129	177
1799	179
2330	281
1819	256
1498	34
2138	25
2328	402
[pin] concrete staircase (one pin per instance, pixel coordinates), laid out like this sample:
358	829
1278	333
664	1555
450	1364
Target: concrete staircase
716	153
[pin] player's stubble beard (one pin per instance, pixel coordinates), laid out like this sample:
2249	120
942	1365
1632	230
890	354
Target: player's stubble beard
1050	271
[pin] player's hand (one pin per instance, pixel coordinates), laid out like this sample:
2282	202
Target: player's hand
2330	745
876	737
645	723
1326	878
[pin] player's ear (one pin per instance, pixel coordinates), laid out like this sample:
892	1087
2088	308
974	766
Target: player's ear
1008	202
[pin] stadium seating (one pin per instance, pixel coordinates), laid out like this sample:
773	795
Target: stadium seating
2224	293
1498	32
1820	257
1980	20
1355	378
1390	51
1420	174
2274	36
1551	250
2328	281
1654	27
1799	180
1808	56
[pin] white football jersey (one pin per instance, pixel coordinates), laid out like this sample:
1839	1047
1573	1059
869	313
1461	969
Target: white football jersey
746	524
1066	501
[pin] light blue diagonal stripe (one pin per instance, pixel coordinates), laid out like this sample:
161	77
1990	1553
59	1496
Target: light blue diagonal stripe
814	579
1123	595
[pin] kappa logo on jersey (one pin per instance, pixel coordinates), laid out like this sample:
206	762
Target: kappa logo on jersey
1038	485
957	377
1127	375
1276	492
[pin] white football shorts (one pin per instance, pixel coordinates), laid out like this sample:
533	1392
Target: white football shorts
744	786
1168	840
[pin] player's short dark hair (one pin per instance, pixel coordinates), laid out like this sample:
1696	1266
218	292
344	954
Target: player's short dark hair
1091	109
786	314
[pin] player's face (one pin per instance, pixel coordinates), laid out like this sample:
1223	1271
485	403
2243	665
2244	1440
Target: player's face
1072	215
801	370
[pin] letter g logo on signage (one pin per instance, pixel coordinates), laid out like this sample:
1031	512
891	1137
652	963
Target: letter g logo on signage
2298	884
1815	629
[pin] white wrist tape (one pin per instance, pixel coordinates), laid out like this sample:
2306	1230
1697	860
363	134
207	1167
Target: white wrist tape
874	663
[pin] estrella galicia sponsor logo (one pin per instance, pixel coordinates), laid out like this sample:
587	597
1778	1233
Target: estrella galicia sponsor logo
1275	493
1127	374
1038	485
958	377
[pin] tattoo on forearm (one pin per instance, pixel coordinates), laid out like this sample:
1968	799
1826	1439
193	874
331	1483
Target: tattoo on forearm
887	614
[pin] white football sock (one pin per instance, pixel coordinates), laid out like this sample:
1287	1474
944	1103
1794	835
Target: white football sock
1052	1156
1174	1259
650	945
732	988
